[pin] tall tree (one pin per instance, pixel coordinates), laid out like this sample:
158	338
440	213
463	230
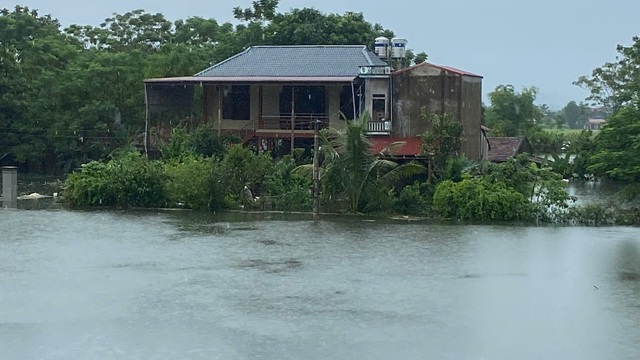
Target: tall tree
574	115
511	112
615	84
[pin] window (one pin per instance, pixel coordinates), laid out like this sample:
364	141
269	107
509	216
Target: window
236	103
379	108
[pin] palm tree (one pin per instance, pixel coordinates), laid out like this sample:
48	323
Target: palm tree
349	165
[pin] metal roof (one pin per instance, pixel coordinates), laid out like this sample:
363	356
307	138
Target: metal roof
504	148
295	61
410	145
250	79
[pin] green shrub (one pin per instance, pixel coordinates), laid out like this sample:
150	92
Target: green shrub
378	197
242	167
191	181
92	186
479	199
127	180
288	190
414	199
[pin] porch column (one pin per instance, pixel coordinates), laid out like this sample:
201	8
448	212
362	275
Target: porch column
293	119
147	119
260	115
220	95
205	103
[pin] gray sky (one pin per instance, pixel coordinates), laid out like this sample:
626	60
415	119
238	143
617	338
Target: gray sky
543	43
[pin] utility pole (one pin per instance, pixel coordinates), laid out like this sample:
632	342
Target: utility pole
316	171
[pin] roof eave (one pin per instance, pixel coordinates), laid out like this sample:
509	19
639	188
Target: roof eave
249	79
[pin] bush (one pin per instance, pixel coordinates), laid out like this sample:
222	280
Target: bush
193	181
414	199
242	167
479	199
90	187
127	180
378	197
288	191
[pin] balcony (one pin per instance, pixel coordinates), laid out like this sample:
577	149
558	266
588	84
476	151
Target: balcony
379	127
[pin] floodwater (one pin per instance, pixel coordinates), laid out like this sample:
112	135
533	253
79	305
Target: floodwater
180	285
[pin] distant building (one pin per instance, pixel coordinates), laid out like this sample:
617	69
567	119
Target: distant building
271	94
594	124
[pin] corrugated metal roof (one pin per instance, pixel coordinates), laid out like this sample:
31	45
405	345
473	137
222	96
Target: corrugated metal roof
295	61
504	148
250	79
447	69
411	145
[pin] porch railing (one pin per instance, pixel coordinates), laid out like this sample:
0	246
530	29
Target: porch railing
379	126
300	122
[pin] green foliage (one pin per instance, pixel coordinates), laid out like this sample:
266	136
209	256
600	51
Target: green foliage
350	169
127	180
93	186
511	112
194	181
203	140
243	168
441	144
415	199
615	85
288	190
617	154
75	95
547	142
574	115
479	199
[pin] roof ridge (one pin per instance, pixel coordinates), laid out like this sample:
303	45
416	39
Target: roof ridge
365	52
243	52
310	46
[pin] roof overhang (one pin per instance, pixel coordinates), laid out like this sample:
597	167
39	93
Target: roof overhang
192	80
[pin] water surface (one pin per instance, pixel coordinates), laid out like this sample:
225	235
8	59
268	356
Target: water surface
123	285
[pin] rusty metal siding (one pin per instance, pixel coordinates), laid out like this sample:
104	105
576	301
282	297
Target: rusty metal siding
437	92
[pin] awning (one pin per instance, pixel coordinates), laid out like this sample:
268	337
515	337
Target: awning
411	145
249	79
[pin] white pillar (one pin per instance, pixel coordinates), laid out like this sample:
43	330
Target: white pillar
10	187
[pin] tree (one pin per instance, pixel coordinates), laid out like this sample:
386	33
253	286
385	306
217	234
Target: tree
617	153
574	115
511	112
615	84
350	168
34	55
441	143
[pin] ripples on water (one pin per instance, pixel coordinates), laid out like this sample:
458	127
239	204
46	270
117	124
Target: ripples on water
142	285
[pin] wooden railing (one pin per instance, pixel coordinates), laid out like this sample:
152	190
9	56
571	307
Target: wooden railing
300	122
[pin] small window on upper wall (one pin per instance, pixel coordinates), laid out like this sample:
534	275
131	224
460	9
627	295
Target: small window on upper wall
236	103
379	107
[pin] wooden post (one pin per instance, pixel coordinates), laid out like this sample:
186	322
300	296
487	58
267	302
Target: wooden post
147	119
316	171
220	95
9	187
205	103
293	119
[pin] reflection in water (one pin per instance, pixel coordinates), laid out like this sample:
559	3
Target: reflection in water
133	285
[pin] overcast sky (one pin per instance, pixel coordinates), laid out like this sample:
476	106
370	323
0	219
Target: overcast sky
543	43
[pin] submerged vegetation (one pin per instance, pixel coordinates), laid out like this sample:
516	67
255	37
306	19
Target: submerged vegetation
353	180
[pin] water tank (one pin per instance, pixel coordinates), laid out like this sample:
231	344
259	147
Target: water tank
398	48
382	47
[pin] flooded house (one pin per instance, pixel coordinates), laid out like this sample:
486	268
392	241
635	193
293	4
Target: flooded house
277	95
